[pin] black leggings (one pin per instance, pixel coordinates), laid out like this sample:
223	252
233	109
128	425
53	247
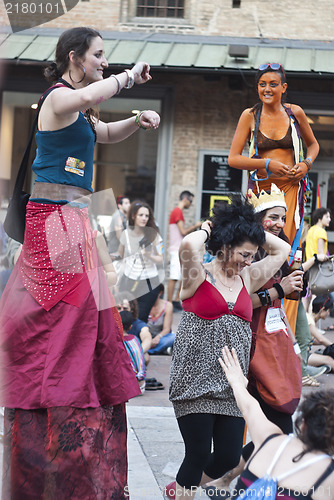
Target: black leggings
282	420
198	431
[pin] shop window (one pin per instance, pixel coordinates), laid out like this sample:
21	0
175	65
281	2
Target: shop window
323	129
160	8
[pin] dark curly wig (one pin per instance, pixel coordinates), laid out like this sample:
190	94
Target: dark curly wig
234	224
316	412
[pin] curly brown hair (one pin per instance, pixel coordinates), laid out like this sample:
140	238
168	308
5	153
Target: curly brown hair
315	423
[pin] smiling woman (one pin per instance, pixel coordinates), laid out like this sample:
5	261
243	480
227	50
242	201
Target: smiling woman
217	309
67	374
275	131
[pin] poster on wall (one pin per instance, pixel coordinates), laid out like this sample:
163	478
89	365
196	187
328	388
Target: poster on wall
217	180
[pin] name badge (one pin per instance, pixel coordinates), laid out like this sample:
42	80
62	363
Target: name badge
274	321
75	166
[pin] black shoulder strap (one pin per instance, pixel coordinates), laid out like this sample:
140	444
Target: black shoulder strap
24	163
262	445
323	476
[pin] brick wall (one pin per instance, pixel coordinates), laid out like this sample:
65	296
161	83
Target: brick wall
205	117
297	19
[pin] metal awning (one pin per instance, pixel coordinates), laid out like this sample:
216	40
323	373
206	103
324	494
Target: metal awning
186	52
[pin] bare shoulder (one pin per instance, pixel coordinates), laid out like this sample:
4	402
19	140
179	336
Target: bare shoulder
297	110
247	115
58	93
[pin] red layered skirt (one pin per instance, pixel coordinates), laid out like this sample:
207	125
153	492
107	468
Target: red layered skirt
65	372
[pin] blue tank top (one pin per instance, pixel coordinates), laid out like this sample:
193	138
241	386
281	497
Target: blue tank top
65	156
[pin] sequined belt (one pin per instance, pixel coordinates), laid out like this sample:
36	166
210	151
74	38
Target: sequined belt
58	192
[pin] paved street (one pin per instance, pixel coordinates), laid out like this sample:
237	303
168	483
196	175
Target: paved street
155	444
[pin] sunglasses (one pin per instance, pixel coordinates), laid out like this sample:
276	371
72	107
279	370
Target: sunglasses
273	66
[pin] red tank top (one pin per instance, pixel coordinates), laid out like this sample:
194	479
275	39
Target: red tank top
208	303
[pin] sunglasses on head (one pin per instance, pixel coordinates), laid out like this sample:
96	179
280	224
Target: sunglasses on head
274	66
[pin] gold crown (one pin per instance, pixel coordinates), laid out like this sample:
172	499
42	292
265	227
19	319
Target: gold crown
264	200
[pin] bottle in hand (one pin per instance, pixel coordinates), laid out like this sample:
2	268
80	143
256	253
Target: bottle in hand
295	265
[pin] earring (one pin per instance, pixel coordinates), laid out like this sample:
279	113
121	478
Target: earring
84	74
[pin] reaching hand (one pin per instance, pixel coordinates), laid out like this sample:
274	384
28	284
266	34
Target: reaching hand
141	72
230	364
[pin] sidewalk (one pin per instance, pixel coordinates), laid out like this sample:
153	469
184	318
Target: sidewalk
155	451
155	446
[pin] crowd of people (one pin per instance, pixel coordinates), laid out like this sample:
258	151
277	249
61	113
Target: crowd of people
79	326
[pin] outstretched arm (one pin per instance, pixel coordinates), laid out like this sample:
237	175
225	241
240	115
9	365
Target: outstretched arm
61	107
258	424
66	101
112	132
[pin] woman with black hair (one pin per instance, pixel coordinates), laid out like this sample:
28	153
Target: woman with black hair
275	130
142	249
66	373
217	310
302	465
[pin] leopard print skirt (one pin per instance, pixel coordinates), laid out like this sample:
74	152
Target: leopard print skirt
197	381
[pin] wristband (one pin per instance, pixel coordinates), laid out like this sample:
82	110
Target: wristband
263	297
279	290
268	297
138	115
315	258
119	86
308	162
207	234
296	348
131	79
267	165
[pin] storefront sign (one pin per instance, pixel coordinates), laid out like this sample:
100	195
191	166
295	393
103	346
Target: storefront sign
217	180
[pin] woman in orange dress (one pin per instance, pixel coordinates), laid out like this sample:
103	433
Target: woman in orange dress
275	131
